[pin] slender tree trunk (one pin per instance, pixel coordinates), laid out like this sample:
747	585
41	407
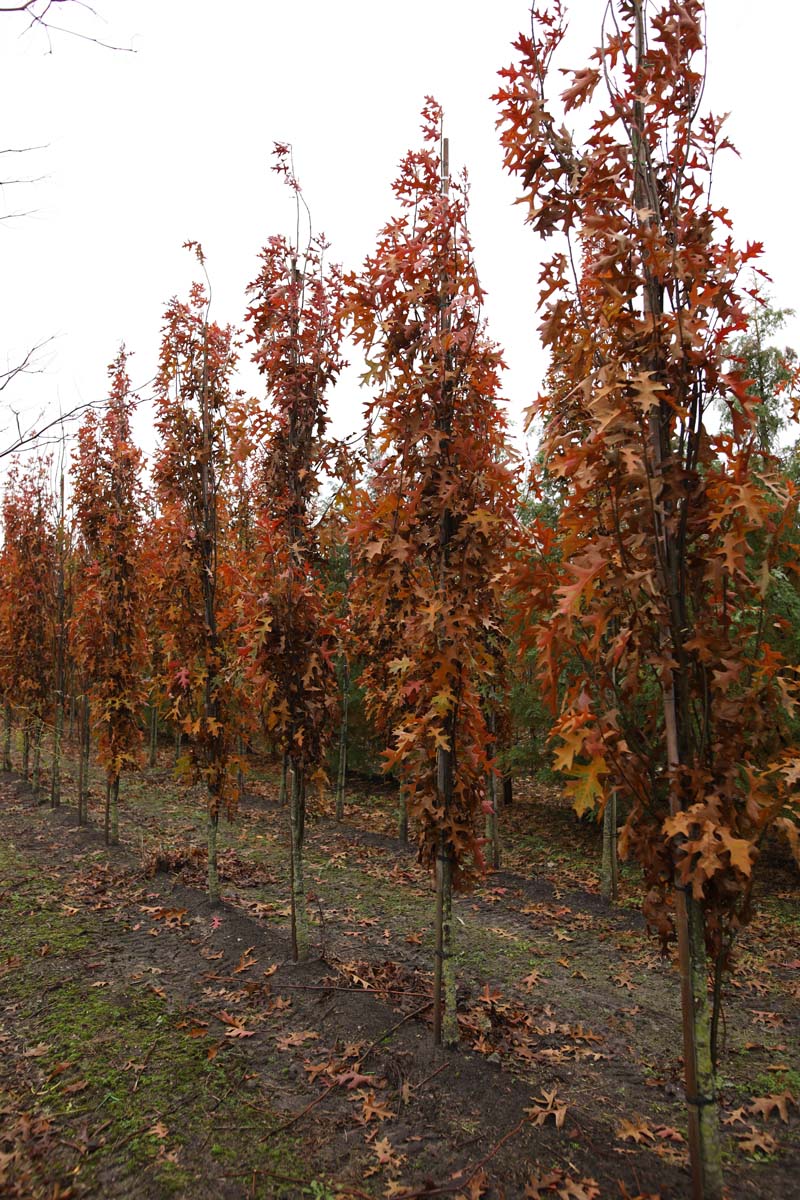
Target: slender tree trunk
38	733
493	821
445	1018
81	761
114	812
26	749
296	784
153	755
60	657
107	814
84	759
610	869
402	817
212	830
341	774
58	734
508	790
240	768
178	742
283	793
7	763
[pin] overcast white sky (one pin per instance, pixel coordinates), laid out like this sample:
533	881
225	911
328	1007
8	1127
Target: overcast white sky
145	150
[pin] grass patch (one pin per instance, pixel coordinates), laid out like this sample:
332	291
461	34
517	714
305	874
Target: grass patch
140	1107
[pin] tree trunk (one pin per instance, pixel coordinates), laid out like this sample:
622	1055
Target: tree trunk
341	774
114	812
153	755
445	1018
7	763
212	829
283	791
610	869
83	762
402	817
58	733
26	749
107	814
38	733
508	790
178	742
240	768
296	784
493	822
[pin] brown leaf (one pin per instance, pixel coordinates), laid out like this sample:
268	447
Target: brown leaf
375	1110
737	1117
296	1039
548	1105
246	961
36	1051
638	1131
72	1088
757	1143
765	1106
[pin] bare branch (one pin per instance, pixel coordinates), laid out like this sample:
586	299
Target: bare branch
38	13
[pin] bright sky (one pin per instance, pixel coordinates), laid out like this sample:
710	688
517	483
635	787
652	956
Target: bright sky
142	151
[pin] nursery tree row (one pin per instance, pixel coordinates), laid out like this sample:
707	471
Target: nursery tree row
268	578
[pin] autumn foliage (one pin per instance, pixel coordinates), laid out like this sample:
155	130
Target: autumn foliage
109	639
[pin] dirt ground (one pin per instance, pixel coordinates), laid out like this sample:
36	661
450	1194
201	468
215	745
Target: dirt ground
154	1045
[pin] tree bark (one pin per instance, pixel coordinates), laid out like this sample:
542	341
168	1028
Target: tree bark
402	817
445	1017
283	793
341	774
610	868
7	763
38	733
83	761
212	830
296	784
153	755
114	812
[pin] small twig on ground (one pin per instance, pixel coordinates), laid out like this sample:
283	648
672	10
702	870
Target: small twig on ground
448	1189
147	1058
333	987
299	1116
337	1083
142	1129
392	1029
442	1067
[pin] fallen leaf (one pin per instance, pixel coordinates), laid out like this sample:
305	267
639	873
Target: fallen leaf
765	1106
757	1143
296	1039
547	1105
638	1131
36	1051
